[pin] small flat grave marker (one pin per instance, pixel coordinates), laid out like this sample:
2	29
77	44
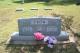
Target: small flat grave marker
34	9
48	9
19	9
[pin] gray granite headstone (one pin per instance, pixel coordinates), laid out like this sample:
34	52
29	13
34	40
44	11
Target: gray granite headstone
47	25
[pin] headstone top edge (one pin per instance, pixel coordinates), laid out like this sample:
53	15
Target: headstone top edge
49	17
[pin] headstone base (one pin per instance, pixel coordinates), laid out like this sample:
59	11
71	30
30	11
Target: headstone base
30	40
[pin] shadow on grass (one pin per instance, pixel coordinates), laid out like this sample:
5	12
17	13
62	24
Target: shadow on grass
33	49
27	48
17	48
30	1
46	2
71	48
61	3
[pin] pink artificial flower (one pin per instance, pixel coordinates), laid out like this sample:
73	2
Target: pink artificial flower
38	36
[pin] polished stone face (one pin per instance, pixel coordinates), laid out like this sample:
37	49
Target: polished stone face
47	26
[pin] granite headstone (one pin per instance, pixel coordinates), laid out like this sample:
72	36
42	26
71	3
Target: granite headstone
48	26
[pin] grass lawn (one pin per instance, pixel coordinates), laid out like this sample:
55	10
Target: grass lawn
9	16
